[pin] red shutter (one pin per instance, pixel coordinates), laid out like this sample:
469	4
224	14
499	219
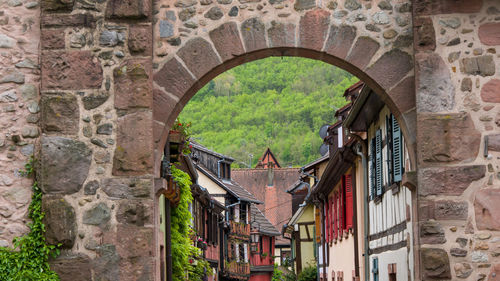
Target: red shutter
327	220
332	221
342	205
349	201
335	217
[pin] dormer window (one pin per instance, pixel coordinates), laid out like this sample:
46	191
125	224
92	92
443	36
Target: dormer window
225	170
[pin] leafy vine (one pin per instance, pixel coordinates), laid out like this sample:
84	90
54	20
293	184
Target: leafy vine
186	258
28	260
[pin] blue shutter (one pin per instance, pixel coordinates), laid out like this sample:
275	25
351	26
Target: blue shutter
378	162
397	151
375	269
372	169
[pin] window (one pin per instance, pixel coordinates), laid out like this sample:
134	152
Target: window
241	250
224	170
376	167
270	246
243	213
391	269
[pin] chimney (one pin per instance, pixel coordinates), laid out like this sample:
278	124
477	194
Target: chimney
270	173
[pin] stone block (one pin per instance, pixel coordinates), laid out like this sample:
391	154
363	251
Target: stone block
431	232
281	34
435	264
134	241
390	68
174	78
481	65
57	5
435	90
134	146
403	94
457	252
340	40
64	165
227	41
432	7
127	188
94	100
447	138
52	38
163	105
362	52
74	267
463	270
199	56
490	92
133	9
97	215
78	70
451	210
65	20
133	84
489	33
313	29
494	142
59	220
91	187
448	180
140	40
136	212
301	5
253	32
60	113
487	209
106	265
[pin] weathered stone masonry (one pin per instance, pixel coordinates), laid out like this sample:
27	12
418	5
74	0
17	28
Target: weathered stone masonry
113	75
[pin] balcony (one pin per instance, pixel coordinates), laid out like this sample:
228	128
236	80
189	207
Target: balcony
237	270
239	230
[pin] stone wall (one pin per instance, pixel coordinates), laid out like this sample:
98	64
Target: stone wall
19	110
457	54
96	151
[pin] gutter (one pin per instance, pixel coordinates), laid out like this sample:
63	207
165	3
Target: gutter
359	152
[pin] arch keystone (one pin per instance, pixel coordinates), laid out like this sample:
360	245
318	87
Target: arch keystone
314	29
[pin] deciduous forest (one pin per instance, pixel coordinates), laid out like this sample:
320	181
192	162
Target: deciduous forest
279	103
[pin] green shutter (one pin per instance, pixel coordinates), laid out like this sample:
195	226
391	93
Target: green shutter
375	269
389	154
378	162
397	151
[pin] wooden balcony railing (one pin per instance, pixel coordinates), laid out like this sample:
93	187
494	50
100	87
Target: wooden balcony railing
240	230
237	270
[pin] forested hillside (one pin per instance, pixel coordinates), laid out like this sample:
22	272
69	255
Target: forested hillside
279	103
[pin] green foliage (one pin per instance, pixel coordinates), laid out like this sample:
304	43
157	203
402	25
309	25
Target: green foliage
28	260
279	103
277	274
309	273
183	249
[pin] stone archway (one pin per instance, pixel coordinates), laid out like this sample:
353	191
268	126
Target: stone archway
115	74
386	66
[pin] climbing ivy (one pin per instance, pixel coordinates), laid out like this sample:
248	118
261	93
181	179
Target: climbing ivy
28	260
186	261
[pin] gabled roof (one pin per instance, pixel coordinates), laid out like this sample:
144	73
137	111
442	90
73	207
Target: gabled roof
231	186
258	220
364	110
200	147
269	153
316	162
354	89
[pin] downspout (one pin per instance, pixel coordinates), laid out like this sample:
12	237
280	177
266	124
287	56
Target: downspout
359	152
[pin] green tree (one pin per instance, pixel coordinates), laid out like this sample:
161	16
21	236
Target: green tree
279	103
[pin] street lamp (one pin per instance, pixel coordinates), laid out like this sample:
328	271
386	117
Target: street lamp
254	238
